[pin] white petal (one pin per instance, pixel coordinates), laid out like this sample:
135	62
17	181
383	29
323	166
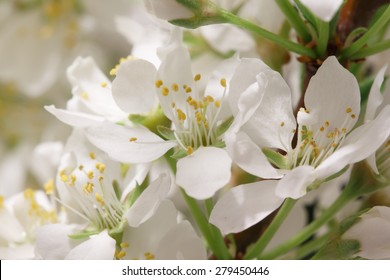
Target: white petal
134	87
135	175
325	10
114	140
52	241
331	91
359	144
98	247
247	155
76	119
148	202
245	205
181	243
87	79
11	230
146	238
375	98
167	9
294	183
204	172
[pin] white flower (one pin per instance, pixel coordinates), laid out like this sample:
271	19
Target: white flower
92	100
324	9
20	215
196	115
373	233
325	145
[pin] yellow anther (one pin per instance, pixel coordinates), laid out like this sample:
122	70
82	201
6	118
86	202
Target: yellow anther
158	83
1	202
101	178
90	175
92	155
348	110
99	199
188	89
282	124
85	95
113	71
180	114
190	150
100	166
327	123
334	145
217	103
124	245
175	87
185	86
223	82
49	186
29	194
120	254
132	139
197	77
81	167
88	187
165	91
173	104
64	178
198	116
322	128
149	256
353	116
189	98
103	84
72	180
344	130
194	103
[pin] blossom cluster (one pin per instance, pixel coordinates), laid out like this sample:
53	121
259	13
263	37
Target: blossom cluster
224	130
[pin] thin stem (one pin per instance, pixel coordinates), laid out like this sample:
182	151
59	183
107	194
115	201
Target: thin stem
371	50
204	227
294	19
263	241
291	46
357	45
309	230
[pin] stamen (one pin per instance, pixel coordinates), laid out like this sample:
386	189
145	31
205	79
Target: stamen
132	139
158	83
49	187
103	84
223	82
197	77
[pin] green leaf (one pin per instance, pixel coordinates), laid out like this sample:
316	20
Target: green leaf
356	33
166	132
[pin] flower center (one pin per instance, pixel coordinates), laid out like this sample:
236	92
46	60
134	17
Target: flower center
194	115
94	192
315	144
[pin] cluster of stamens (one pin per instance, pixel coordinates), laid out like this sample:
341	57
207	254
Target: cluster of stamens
315	146
94	192
195	116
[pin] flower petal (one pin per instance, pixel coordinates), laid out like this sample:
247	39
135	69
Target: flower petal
248	156
148	202
76	119
52	241
375	98
146	237
204	172
21	252
294	183
245	205
167	9
333	96
114	140
98	247
181	243
134	87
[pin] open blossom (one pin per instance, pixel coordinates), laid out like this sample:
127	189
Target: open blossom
102	205
326	140
372	232
196	114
